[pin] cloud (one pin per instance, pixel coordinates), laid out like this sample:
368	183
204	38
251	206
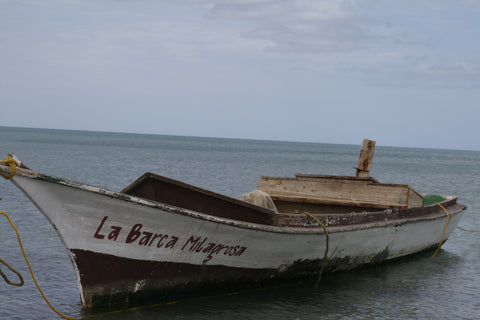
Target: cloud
450	70
396	43
314	27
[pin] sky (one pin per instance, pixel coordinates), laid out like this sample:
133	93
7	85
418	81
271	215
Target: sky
402	73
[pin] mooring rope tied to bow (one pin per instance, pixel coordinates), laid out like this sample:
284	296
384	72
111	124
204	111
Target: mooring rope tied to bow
30	267
4	276
13	166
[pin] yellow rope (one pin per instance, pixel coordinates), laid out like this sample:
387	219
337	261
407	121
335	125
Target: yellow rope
13	166
19	275
30	268
326	246
467	230
444	229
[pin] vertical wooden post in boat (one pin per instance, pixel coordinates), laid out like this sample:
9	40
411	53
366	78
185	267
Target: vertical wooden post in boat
365	158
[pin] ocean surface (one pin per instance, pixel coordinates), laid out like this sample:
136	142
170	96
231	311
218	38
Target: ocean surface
445	287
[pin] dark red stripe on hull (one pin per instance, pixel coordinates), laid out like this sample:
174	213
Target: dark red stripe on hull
111	280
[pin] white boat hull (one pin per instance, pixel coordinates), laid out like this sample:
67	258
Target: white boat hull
123	246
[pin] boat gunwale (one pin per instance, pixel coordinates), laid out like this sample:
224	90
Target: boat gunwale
450	200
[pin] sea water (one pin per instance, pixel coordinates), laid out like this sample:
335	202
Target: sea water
445	287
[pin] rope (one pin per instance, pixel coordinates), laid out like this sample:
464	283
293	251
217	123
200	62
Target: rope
30	268
13	166
19	275
326	246
444	229
467	230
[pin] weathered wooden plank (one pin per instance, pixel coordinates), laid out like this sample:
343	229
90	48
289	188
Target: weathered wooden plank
365	158
341	191
316	199
302	176
415	198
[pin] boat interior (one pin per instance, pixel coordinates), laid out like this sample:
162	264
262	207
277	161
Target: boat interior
336	200
179	194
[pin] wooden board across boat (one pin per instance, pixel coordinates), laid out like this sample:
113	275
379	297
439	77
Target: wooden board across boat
160	238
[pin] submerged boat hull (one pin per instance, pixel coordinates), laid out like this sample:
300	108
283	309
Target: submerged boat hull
125	248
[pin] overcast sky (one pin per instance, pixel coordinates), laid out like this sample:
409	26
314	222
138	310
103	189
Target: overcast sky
403	73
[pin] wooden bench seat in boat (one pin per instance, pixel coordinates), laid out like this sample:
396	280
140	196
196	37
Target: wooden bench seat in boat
337	194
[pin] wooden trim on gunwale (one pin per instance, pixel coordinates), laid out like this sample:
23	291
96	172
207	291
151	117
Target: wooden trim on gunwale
365	219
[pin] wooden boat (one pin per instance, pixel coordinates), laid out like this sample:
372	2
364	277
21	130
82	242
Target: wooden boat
159	237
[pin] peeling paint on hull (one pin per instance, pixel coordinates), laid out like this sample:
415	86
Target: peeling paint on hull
113	280
135	282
